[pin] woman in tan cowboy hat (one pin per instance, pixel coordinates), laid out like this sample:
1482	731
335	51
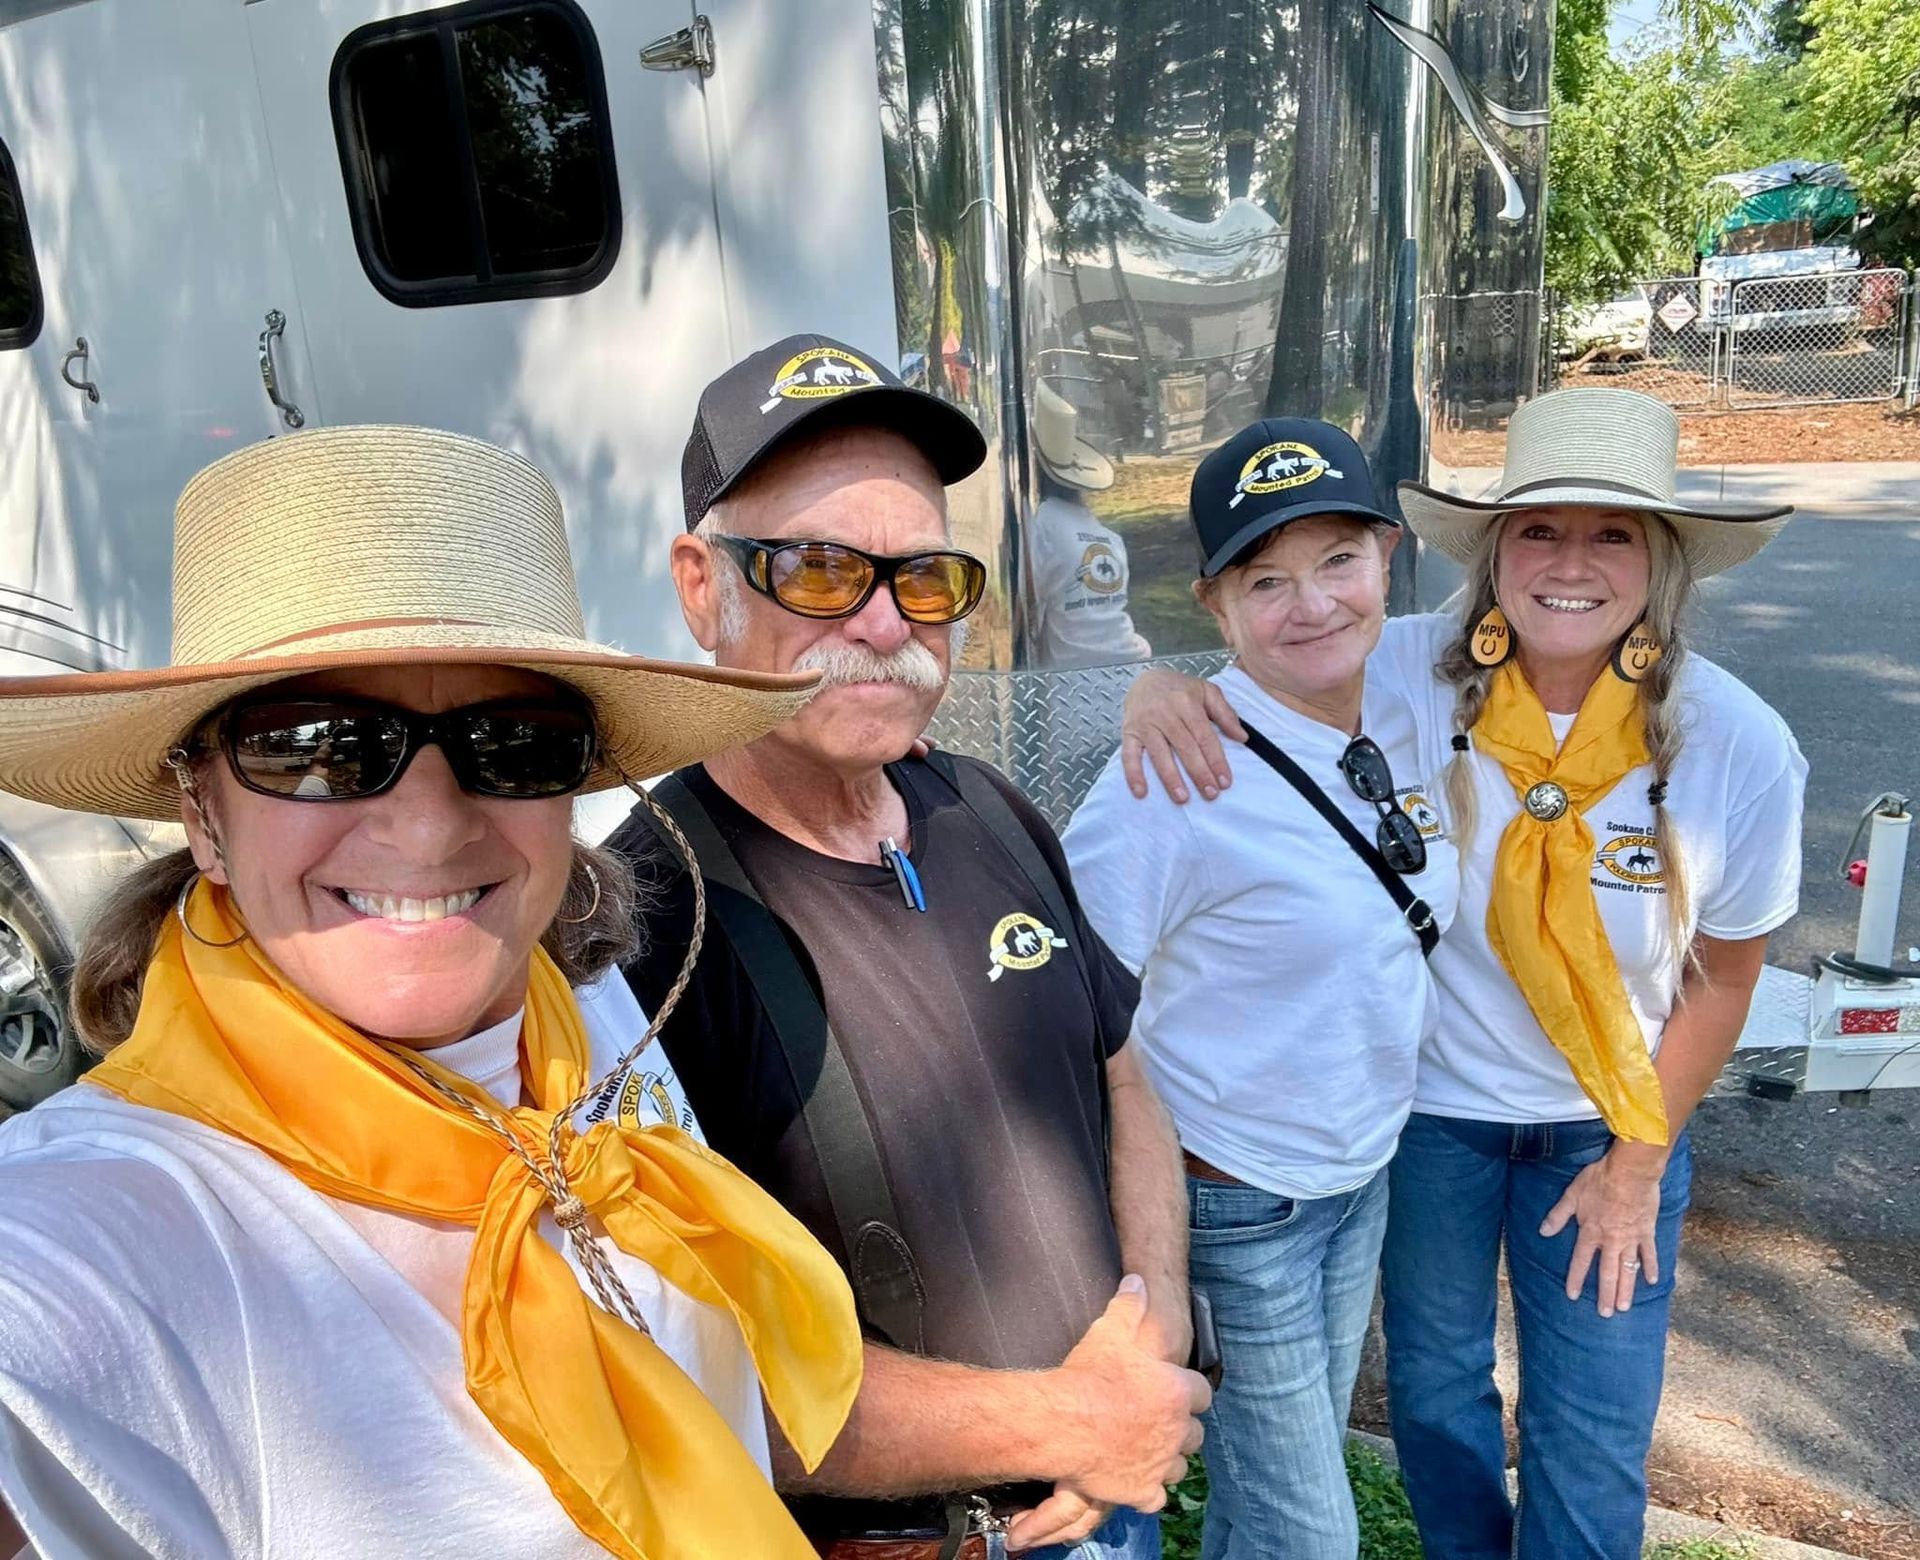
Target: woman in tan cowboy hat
352	1243
1628	816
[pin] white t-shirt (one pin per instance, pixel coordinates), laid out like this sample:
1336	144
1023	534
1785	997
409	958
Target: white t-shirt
1283	995
202	1357
1080	581
1734	798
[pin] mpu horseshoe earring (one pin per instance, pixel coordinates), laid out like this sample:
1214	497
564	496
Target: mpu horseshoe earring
1492	640
1635	657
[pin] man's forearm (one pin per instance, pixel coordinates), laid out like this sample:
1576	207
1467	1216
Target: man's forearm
1149	1192
922	1426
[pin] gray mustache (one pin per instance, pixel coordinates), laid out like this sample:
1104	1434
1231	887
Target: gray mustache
912	666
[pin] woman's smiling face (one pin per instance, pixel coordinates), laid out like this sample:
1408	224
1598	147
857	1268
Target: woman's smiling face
411	914
1571	580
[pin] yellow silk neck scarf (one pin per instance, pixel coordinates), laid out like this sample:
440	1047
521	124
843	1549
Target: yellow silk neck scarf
640	1460
1542	919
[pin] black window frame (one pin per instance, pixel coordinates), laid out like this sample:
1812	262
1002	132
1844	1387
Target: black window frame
443	23
17	338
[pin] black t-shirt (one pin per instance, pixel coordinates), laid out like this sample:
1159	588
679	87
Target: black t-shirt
973	1044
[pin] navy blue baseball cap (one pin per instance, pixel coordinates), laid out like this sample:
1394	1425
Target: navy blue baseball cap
812	382
1277	470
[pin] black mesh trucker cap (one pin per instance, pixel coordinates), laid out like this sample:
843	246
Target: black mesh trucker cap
1276	470
812	382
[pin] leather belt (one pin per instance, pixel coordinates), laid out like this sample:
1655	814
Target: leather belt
973	1547
1199	1167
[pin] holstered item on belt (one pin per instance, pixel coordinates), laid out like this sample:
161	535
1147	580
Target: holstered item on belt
972	1547
1206	1172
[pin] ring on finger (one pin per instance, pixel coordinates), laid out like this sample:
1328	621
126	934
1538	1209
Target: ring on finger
1631	1264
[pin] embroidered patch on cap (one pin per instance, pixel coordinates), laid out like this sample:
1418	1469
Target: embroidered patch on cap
817	373
1277	467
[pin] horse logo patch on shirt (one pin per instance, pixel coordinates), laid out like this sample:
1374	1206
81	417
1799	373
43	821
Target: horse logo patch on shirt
1019	942
1632	858
1425	818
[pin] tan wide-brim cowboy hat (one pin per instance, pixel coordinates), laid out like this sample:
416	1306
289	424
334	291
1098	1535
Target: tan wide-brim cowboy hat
350	547
1056	438
1601	448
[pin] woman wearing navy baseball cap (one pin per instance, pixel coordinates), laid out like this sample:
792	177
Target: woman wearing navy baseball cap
1628	818
1288	1077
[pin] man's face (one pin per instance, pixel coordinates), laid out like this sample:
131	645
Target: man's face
884	675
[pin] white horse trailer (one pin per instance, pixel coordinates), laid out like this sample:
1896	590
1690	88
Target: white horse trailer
549	222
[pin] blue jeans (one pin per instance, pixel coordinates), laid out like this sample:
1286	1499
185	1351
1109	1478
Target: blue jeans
1126	1535
1291	1284
1589	1385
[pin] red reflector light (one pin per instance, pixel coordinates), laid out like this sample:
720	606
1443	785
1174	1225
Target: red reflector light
1869	1021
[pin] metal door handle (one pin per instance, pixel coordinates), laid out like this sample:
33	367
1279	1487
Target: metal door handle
290	414
86	386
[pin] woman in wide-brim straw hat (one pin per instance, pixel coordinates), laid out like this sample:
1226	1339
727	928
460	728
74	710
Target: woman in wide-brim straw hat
1628	816
353	1242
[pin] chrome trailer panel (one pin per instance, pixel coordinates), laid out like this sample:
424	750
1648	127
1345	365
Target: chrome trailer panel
1179	218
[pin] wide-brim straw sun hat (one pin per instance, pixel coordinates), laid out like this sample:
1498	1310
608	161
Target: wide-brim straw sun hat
1056	439
362	547
1598	448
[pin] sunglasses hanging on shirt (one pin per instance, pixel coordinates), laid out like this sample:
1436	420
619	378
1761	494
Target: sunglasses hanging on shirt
1397	836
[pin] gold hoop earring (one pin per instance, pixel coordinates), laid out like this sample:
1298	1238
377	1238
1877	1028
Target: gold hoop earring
580	920
1492	640
1635	657
180	910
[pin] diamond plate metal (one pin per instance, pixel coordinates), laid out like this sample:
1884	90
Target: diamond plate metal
1049	732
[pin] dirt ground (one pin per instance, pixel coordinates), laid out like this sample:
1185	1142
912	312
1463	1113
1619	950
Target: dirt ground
1863	431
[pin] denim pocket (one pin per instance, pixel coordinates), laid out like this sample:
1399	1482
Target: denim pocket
1218	1212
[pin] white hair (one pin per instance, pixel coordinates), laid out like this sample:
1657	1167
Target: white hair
727	583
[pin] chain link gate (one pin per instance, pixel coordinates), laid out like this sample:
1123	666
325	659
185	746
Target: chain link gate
1810	340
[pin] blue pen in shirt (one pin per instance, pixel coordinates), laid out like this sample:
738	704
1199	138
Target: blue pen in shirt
891	855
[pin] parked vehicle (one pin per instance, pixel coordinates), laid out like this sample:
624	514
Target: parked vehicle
1792	226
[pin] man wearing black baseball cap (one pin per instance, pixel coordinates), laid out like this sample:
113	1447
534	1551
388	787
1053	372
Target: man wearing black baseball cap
1280	935
900	1023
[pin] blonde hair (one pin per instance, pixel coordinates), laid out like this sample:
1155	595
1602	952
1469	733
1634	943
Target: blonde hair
1669	594
594	928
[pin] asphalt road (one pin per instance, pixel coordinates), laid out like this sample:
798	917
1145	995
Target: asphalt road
1796	1335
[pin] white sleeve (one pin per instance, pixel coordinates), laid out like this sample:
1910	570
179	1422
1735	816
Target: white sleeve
1135	866
1759	887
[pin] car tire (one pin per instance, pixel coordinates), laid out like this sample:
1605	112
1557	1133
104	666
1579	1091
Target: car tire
40	1050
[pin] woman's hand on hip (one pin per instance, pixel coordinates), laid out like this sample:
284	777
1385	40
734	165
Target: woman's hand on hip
1615	1205
1177	721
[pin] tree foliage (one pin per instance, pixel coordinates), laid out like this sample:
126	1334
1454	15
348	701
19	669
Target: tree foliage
1723	86
1858	85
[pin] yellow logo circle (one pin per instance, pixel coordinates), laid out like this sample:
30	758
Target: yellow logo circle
816	373
1100	570
1633	858
1425	818
1277	467
645	1086
1019	942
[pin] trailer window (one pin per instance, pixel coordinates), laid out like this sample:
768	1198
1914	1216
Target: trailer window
19	277
477	154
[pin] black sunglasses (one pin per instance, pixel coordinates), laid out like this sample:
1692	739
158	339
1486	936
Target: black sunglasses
833	580
332	750
1398	836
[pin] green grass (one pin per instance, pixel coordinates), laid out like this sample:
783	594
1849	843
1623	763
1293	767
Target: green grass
1386	1522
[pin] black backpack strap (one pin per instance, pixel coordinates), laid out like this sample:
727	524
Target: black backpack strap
881	1269
1418	914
